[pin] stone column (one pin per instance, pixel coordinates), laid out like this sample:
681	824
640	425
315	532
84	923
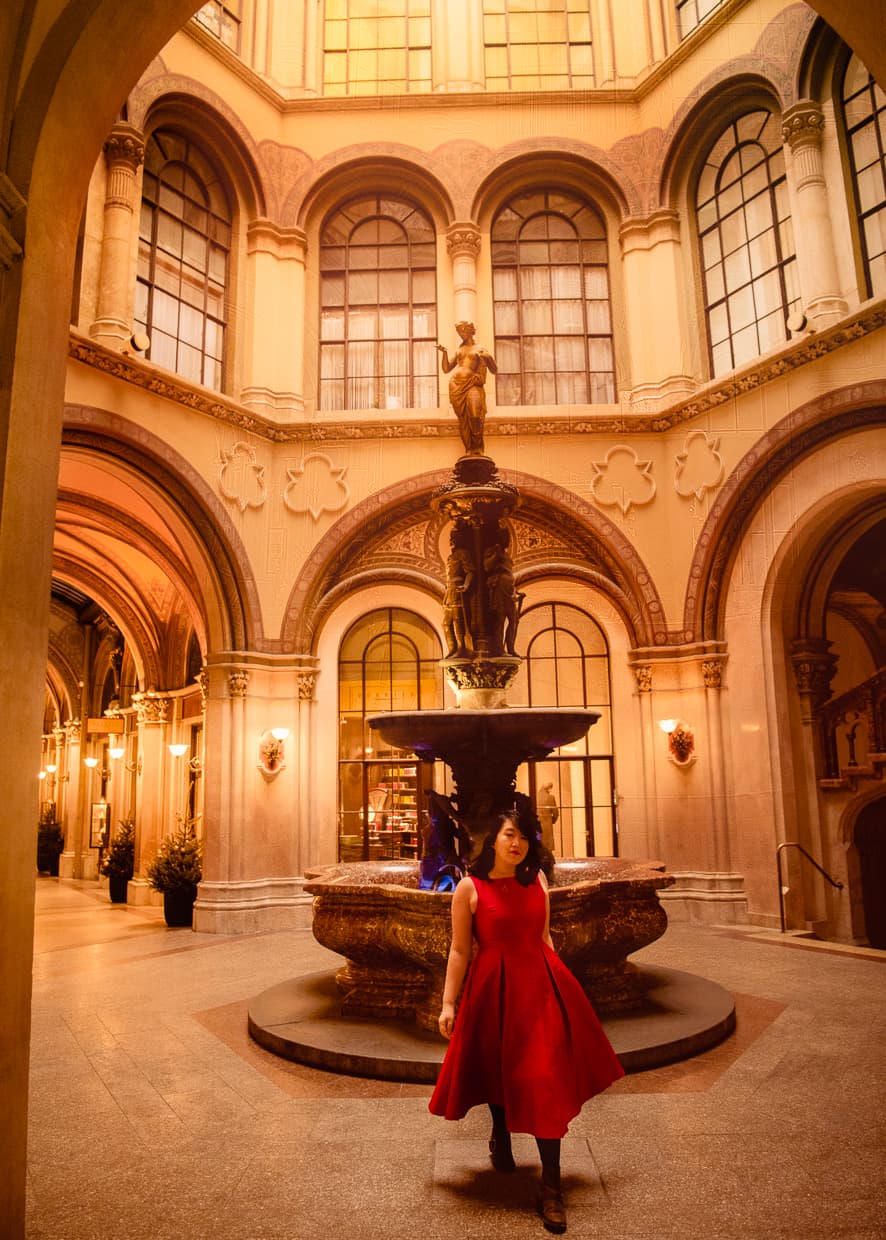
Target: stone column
463	247
124	153
803	131
814	667
151	823
275	327
310	848
657	326
68	775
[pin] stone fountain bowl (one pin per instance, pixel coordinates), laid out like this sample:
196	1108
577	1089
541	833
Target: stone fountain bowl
395	937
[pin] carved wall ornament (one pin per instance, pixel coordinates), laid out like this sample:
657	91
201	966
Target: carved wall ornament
699	466
463	239
307	682
622	479
803	124
643	674
125	145
712	673
316	486
237	683
151	707
240	477
202	682
72	731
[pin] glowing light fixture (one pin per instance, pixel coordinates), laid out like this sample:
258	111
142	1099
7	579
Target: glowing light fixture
90	762
116	752
178	751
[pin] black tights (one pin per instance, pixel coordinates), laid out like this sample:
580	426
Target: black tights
548	1147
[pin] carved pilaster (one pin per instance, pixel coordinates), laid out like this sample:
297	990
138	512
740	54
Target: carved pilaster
238	681
712	673
124	153
463	247
307	682
72	731
151	707
643	674
814	669
463	238
803	131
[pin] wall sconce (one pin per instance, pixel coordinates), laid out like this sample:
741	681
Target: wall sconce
270	751
133	768
178	751
681	741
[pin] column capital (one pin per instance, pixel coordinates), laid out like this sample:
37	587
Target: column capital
463	238
814	667
803	124
307	682
125	145
238	680
151	707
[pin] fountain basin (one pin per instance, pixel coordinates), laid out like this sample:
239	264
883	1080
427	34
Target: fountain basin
395	937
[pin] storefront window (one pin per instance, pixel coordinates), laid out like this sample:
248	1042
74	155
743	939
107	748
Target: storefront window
389	660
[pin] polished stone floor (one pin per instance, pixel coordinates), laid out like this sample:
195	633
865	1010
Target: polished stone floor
154	1117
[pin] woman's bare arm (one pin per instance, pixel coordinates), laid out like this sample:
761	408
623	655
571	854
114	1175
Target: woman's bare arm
546	933
464	902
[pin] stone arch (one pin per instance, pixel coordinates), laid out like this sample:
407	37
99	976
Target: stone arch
367	546
817	422
184	104
227	608
580	167
351	170
699	121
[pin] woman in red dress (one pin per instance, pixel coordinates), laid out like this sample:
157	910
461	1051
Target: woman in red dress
526	1040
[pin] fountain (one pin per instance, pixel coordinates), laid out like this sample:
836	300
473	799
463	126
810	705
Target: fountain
386	918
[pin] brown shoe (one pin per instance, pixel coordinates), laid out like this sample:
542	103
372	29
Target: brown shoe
551	1206
500	1152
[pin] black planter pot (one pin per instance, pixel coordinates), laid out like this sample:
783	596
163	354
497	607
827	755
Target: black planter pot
47	863
178	906
117	888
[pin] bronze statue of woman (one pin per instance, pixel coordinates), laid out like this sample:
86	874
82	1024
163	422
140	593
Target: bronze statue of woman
466	391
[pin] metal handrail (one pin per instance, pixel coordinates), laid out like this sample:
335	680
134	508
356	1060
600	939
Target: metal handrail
793	844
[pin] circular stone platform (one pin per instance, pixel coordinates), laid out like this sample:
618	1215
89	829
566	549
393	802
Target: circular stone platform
301	1020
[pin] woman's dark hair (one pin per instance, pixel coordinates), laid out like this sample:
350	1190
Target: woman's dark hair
524	818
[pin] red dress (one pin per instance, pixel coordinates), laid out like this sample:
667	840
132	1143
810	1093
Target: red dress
525	1036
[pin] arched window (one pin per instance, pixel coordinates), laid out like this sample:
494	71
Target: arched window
538	44
567	664
746	241
184	244
550	279
376	49
691	13
864	115
378	318
389	660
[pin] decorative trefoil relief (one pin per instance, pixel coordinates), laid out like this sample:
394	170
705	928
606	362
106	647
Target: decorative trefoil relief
240	478
699	465
622	479
316	486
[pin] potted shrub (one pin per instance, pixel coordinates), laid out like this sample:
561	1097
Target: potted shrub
119	864
176	871
50	844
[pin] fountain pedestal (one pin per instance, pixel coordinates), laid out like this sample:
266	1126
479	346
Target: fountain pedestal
395	937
